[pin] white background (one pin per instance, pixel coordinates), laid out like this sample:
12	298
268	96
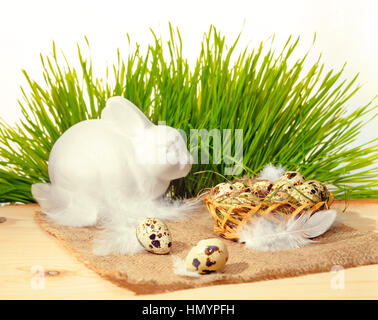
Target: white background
346	31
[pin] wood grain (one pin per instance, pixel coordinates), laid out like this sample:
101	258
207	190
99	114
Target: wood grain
25	250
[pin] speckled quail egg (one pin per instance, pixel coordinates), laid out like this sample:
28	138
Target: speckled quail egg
227	187
281	196
289	179
321	188
231	201
207	256
307	193
238	185
261	188
242	198
154	235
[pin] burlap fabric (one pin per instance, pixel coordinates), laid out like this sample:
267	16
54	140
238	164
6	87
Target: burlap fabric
146	273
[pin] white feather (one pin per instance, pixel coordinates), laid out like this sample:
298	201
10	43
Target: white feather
179	268
271	173
115	213
263	234
119	228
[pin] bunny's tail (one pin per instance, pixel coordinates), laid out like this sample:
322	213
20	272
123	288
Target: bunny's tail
63	206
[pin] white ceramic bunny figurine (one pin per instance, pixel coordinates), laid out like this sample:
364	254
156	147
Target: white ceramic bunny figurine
112	171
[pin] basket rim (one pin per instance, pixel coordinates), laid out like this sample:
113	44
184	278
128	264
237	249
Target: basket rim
230	233
209	199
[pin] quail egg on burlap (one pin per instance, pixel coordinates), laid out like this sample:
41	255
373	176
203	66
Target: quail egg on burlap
207	256
154	235
261	188
309	192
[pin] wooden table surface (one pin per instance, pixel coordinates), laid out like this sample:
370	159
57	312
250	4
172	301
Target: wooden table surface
34	265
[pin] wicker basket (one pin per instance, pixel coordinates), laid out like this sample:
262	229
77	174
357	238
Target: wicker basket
229	218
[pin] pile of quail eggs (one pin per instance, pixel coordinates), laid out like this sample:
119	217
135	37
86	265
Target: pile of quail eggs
291	187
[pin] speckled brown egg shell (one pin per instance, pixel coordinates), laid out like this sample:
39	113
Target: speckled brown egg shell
307	193
222	189
281	196
154	236
207	256
320	188
289	179
261	188
225	188
238	185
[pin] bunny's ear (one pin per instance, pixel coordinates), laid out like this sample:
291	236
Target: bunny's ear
125	114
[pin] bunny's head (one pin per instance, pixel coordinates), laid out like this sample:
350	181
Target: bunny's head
160	150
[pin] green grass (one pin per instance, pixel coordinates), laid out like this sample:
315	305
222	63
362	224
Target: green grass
289	117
